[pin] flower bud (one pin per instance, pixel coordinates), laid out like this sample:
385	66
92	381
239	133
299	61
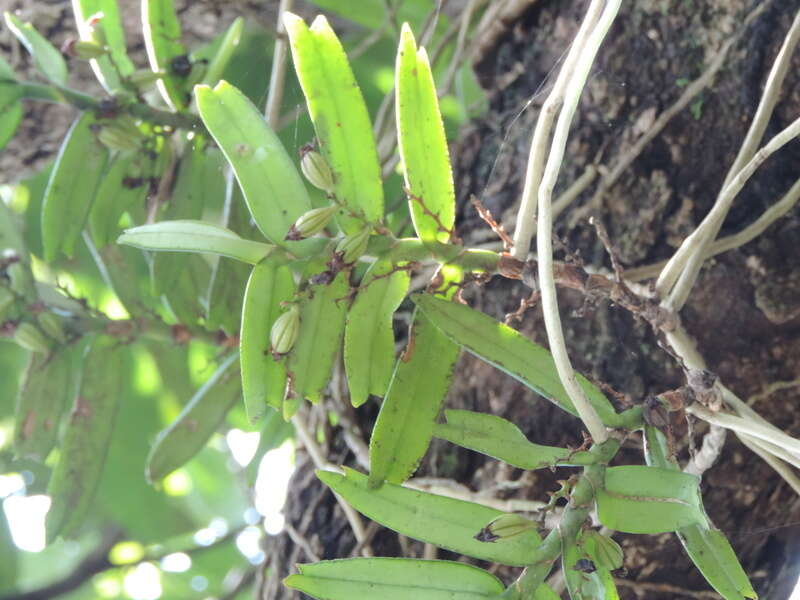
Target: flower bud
311	223
354	245
52	326
604	552
22	280
284	331
29	337
504	527
316	170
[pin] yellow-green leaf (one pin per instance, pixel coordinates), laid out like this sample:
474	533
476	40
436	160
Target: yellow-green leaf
446	522
394	579
423	146
340	118
369	354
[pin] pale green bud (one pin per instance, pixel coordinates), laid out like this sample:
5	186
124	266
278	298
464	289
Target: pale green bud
6	301
51	324
505	526
311	223
354	245
284	331
118	138
29	337
604	552
316	170
87	49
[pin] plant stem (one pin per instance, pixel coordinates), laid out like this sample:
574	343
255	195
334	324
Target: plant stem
81	101
575	514
277	76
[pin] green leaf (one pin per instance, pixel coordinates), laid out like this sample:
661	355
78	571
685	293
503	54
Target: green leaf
263	378
273	189
198	420
322	316
10	118
9	565
224	52
422	142
394	579
511	352
125	183
446	522
106	68
194	236
71	188
86	439
503	440
711	552
708	548
642	499
597	585
45	389
47	58
418	388
340	118
162	40
369	355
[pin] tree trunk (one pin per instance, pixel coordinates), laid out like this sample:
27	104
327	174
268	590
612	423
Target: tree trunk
744	311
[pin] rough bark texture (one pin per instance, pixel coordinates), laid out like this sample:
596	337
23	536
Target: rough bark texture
743	311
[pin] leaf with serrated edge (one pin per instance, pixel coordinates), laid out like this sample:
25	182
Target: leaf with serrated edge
501	439
340	118
446	522
422	143
394	579
369	355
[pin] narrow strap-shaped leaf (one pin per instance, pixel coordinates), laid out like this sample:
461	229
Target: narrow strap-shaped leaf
10	112
418	388
199	419
708	547
642	499
711	552
446	522
46	57
106	68
272	187
71	188
501	439
42	398
263	378
85	444
369	355
511	352
194	236
162	40
125	185
340	118
394	579
322	317
423	146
